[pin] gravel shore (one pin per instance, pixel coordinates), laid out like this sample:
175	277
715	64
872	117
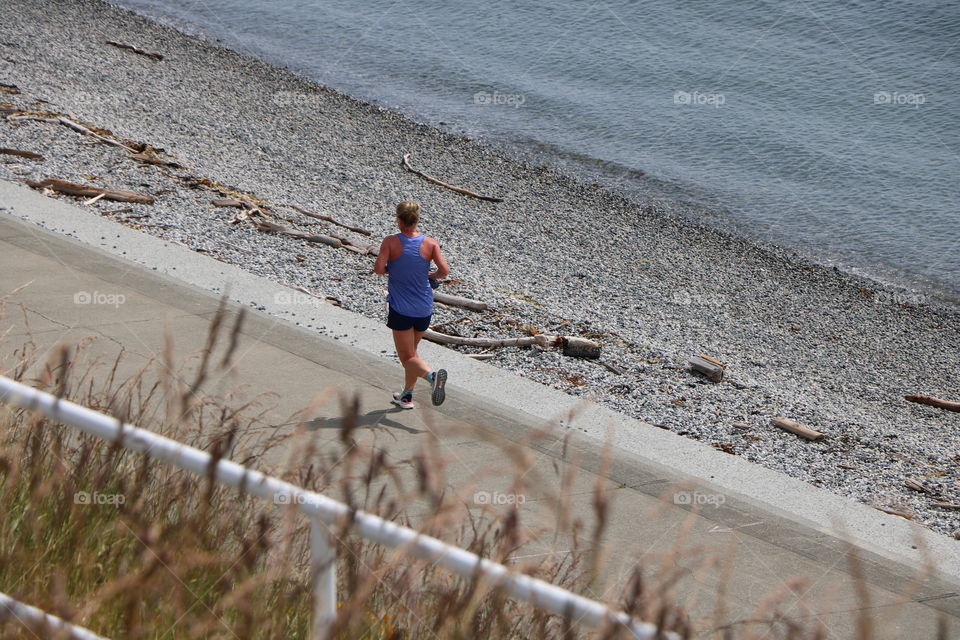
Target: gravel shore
828	349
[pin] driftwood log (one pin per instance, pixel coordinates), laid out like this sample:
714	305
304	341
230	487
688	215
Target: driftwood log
457	301
74	189
934	402
429	178
572	346
150	157
227	202
350	245
29	155
712	369
79	128
149	54
906	515
917	485
266	225
320	216
795	427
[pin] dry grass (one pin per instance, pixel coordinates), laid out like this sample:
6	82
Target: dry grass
157	553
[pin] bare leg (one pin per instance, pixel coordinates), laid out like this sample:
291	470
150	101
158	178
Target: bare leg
413	365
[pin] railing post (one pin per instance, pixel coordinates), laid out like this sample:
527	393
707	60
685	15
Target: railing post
323	570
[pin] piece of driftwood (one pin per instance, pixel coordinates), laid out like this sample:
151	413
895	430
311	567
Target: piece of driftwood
151	157
796	428
949	506
79	128
20	115
457	301
429	178
149	54
320	216
266	225
572	346
895	512
580	348
29	155
227	202
916	485
710	369
612	368
933	402
713	360
307	291
479	356
350	245
74	189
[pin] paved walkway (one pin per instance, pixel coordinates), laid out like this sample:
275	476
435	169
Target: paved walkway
77	291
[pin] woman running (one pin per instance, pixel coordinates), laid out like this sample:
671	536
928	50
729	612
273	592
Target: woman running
405	257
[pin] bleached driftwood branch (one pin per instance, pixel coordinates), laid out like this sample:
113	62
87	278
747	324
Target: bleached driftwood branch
572	346
796	428
934	402
79	128
429	178
320	216
457	301
266	225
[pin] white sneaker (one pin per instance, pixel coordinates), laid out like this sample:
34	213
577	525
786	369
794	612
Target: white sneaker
402	401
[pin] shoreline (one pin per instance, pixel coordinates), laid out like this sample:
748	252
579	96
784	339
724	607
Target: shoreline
826	348
686	200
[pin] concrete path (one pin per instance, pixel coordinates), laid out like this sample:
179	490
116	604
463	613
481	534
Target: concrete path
771	527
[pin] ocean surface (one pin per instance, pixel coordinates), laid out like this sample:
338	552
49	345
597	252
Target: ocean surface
829	128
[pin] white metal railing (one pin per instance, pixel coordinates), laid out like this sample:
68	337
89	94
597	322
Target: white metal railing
324	512
42	621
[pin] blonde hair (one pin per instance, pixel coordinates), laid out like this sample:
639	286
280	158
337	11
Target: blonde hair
408	213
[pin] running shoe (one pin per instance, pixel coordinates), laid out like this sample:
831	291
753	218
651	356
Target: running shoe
437	385
402	400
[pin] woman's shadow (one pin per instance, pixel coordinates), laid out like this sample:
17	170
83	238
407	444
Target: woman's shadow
373	419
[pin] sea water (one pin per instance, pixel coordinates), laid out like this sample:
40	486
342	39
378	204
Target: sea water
830	128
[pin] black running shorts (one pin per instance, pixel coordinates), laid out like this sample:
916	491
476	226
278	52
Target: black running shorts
400	322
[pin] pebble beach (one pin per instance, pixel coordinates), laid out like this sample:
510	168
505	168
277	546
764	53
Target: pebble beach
645	279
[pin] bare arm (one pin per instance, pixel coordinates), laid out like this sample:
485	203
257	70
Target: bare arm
443	269
380	266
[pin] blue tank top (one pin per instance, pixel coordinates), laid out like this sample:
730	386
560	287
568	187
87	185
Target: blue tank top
409	291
